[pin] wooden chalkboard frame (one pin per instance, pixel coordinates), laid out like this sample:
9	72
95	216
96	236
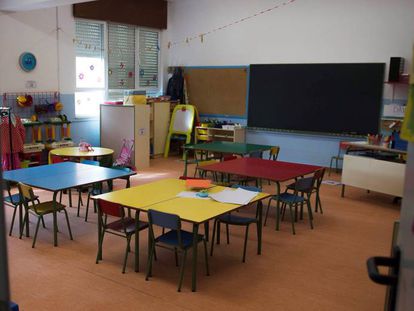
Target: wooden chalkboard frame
215	84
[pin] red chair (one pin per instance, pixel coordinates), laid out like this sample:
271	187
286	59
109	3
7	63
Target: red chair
124	226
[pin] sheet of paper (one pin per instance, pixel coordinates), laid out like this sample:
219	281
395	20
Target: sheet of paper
238	196
190	195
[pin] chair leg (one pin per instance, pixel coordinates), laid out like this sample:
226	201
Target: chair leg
149	263
218	232
212	238
67	222
176	256
245	243
330	167
60	196
206	257
87	206
37	230
12	221
25	222
43	222
227	233
292	220
126	253
79	200
100	243
182	270
267	212
310	213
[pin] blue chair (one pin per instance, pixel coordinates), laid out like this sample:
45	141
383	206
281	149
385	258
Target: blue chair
175	239
13	306
124	226
231	219
302	189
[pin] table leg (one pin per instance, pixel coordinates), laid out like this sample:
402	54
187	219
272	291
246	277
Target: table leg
277	205
55	229
185	161
194	264
137	241
95	203
259	227
343	191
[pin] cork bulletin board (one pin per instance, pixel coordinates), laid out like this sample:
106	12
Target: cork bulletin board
218	91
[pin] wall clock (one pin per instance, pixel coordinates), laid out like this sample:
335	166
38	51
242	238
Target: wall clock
27	61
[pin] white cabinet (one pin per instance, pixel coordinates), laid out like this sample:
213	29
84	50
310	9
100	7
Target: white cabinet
373	174
118	122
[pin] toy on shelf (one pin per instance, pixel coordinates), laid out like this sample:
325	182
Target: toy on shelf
65	140
34	144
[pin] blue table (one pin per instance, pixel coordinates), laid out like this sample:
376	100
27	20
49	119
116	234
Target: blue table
62	176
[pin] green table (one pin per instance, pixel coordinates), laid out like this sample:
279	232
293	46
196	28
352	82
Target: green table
224	147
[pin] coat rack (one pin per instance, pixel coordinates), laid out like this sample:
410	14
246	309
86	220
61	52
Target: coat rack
6	112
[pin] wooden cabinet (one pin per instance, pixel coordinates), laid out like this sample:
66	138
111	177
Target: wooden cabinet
118	122
159	124
237	134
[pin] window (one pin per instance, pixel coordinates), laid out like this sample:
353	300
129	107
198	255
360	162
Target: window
132	61
90	68
121	58
148	58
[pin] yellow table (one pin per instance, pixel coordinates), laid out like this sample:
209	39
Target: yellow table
74	152
162	196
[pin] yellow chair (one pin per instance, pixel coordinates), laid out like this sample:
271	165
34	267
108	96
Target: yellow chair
181	124
39	210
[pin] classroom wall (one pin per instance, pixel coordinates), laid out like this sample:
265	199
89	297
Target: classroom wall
317	31
35	31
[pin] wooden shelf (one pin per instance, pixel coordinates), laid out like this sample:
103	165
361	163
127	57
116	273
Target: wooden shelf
218	134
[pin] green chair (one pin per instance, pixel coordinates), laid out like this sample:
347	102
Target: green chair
13	200
123	226
176	239
38	209
231	219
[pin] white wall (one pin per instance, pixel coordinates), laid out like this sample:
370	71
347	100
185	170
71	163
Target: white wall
36	32
303	31
317	31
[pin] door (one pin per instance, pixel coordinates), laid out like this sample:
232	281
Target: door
405	291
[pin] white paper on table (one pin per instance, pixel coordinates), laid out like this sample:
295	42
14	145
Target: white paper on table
190	195
238	196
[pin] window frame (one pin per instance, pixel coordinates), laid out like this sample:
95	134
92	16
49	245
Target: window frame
106	90
105	59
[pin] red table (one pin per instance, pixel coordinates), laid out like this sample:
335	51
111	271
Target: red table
276	171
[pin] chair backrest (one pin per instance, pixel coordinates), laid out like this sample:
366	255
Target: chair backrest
274	152
90	162
187	177
166	220
229	157
9	198
57	159
318	177
305	184
249	188
110	208
26	192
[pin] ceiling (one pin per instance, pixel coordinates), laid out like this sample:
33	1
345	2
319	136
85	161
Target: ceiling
28	5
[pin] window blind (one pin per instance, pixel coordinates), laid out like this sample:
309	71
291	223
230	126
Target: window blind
89	39
148	58
121	56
